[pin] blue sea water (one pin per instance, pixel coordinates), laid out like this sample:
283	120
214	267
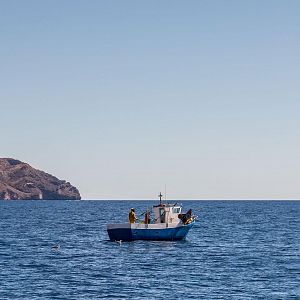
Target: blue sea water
236	250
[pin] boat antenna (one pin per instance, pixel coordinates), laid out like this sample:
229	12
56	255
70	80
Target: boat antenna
160	196
165	193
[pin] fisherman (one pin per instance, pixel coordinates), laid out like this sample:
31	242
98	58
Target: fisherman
132	216
147	217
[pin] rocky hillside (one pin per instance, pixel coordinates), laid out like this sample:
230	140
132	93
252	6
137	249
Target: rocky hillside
19	180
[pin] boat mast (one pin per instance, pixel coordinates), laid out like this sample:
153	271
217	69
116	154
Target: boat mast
160	196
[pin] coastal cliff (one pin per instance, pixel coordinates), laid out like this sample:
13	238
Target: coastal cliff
18	180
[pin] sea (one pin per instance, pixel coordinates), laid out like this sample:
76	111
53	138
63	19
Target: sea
236	250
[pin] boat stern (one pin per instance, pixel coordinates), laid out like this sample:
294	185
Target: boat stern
119	232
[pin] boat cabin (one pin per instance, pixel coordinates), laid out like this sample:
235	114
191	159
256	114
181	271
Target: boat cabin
167	213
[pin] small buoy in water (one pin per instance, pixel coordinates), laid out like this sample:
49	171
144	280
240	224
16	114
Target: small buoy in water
56	247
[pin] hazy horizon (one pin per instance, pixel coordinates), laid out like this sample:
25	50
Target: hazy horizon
122	97
184	200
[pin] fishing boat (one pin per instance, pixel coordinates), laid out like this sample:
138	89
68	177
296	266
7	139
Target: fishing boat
167	224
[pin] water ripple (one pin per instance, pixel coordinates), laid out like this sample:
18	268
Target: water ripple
237	250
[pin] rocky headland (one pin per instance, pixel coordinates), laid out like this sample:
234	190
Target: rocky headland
18	180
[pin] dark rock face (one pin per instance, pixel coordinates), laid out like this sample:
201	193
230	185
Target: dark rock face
19	180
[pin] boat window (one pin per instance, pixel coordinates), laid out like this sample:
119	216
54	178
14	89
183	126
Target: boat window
162	215
176	210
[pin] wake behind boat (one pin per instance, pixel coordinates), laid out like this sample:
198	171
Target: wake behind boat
168	224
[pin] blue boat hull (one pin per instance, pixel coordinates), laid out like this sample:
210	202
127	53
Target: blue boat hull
153	234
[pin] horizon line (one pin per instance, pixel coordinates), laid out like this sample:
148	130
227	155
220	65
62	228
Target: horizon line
225	199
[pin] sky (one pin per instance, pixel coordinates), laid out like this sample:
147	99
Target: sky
123	98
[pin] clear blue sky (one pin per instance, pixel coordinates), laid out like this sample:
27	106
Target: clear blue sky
123	97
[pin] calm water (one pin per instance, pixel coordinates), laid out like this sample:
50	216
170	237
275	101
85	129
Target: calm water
237	250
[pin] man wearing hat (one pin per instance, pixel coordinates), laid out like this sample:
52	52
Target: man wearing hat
132	216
